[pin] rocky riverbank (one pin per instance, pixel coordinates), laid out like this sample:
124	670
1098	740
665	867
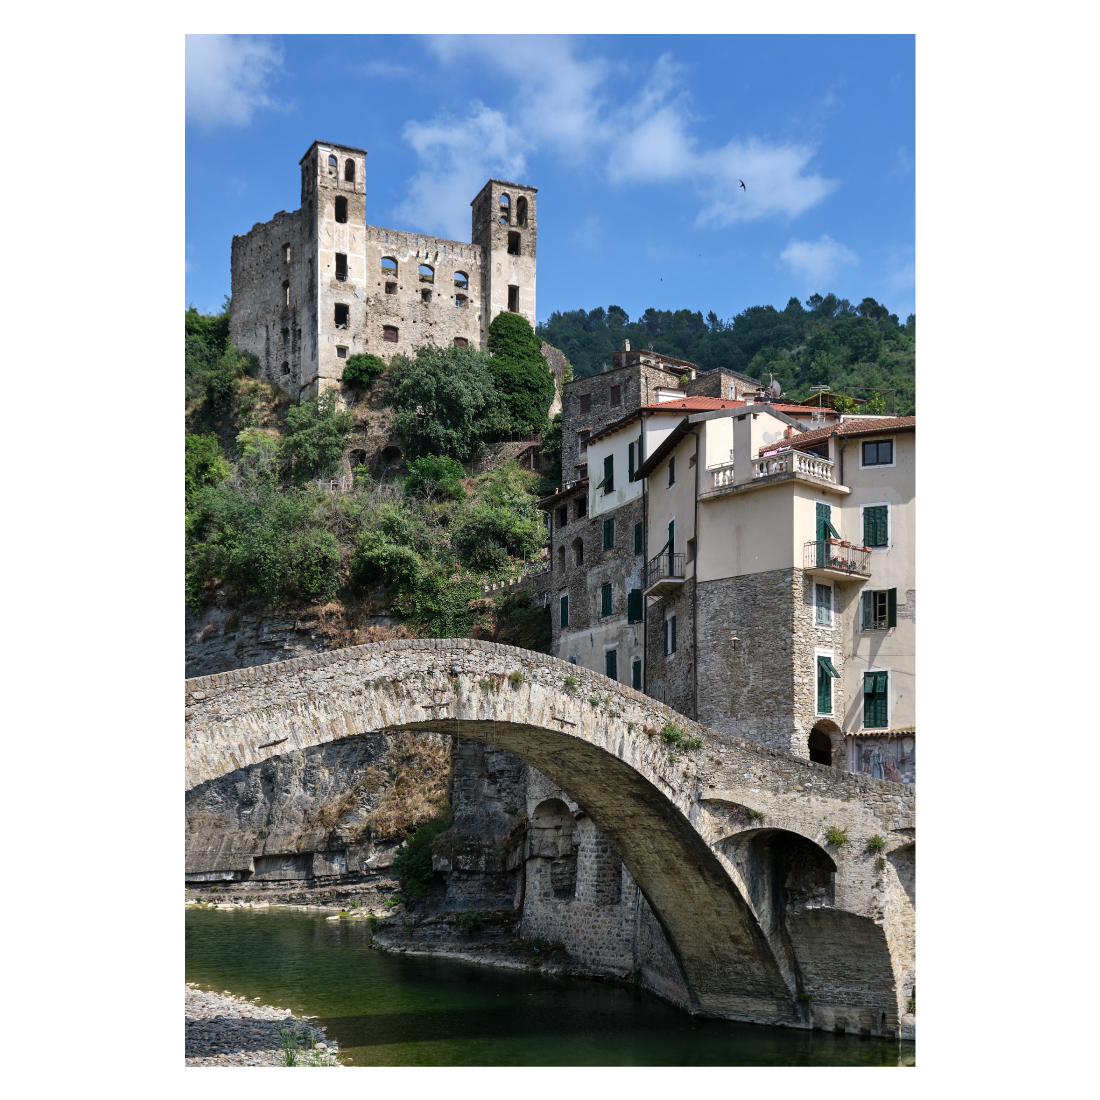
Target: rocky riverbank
223	1030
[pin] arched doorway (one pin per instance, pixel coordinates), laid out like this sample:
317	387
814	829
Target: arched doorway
821	747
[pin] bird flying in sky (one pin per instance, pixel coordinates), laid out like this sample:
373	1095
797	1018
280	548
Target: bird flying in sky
743	187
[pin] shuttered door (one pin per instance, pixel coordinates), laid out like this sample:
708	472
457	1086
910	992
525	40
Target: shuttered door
605	600
636	675
564	621
824	690
611	664
874	700
634	606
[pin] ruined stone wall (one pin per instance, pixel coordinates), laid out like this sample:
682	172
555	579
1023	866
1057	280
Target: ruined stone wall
723	384
494	223
590	634
260	319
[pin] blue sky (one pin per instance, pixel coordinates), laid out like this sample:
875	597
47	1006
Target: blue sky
636	144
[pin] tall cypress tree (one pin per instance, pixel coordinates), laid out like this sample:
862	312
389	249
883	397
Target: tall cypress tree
521	375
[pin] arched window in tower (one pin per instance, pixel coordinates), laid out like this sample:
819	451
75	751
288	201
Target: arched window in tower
505	210
349	170
286	291
427	274
341	209
332	162
462	280
389	267
521	211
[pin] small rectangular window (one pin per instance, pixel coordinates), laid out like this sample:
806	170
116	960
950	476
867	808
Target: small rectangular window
563	515
875	525
583	437
616	396
670	635
634	606
605	601
639	538
609	534
341	266
690	547
461	342
513	299
875	708
823	604
563	610
672	471
582	507
391	288
341	353
878	452
286	336
586	402
341	316
630	462
636	674
389	334
513	246
611	664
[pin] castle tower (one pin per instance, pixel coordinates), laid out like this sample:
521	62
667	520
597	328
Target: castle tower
505	225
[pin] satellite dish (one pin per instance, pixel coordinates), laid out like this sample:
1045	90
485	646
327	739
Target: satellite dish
774	388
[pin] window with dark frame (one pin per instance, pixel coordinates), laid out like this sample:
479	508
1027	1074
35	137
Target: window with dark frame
341	209
630	462
609	534
826	673
586	402
340	315
389	334
634	607
880	609
878	452
611	664
563	612
341	266
639	538
636	674
616	396
513	244
341	353
513	299
823	604
605	601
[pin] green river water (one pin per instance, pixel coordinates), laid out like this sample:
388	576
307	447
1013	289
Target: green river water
396	1010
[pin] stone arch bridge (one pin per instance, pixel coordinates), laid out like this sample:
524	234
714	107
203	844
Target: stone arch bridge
728	841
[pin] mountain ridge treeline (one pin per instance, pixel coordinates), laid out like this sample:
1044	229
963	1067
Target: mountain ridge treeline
827	340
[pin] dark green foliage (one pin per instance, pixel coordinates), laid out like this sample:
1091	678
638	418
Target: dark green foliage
206	339
876	843
551	447
413	863
522	377
203	463
522	623
315	434
219	382
263	541
453	389
361	369
673	734
470	921
435	478
503	523
826	342
836	837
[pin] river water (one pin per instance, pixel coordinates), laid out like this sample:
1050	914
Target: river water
397	1010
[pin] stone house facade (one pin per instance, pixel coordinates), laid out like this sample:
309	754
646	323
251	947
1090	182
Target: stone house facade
317	285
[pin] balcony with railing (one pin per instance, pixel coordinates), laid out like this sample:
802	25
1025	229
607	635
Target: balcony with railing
721	476
664	574
796	462
837	560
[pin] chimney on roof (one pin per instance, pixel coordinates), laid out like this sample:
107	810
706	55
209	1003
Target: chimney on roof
790	431
626	345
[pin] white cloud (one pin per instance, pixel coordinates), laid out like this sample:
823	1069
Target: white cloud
562	101
227	77
816	262
458	156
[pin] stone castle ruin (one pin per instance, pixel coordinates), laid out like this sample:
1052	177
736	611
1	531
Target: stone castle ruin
314	286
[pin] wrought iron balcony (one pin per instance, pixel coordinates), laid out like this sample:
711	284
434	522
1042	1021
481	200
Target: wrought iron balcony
664	574
831	558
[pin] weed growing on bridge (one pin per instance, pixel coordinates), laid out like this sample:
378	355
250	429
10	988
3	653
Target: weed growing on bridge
876	843
880	864
630	727
836	837
756	815
516	678
485	685
570	684
673	734
594	700
470	921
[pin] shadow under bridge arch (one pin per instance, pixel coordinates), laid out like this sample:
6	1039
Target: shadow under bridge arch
541	710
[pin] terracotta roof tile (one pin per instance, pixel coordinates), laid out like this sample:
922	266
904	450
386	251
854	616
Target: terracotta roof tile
849	427
693	404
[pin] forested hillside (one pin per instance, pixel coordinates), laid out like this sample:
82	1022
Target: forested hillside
827	341
416	548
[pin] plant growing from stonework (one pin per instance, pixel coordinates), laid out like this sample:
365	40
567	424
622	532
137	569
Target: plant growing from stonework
672	734
470	921
361	369
876	843
836	837
880	864
515	678
413	862
570	684
756	815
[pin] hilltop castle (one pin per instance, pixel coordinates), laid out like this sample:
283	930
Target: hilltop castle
321	283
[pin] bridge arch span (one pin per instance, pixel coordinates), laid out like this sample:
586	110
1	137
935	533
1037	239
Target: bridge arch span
595	738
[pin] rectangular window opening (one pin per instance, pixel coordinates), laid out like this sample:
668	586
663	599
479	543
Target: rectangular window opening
611	664
878	452
341	315
876	525
636	674
586	403
823	604
563	612
341	266
616	396
672	471
880	609
513	299
634	606
875	707
513	246
630	462
609	534
341	353
639	538
605	601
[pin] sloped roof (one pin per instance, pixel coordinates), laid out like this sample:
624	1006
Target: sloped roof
852	428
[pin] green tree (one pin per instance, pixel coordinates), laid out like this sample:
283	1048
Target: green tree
361	369
522	377
435	477
315	435
444	402
203	463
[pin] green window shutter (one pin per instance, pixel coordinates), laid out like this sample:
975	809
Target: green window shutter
605	601
608	534
636	675
831	530
672	634
611	664
892	607
875	526
639	535
867	610
875	710
608	473
672	471
630	462
827	667
563	605
824	689
671	536
634	606
824	516
868	683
